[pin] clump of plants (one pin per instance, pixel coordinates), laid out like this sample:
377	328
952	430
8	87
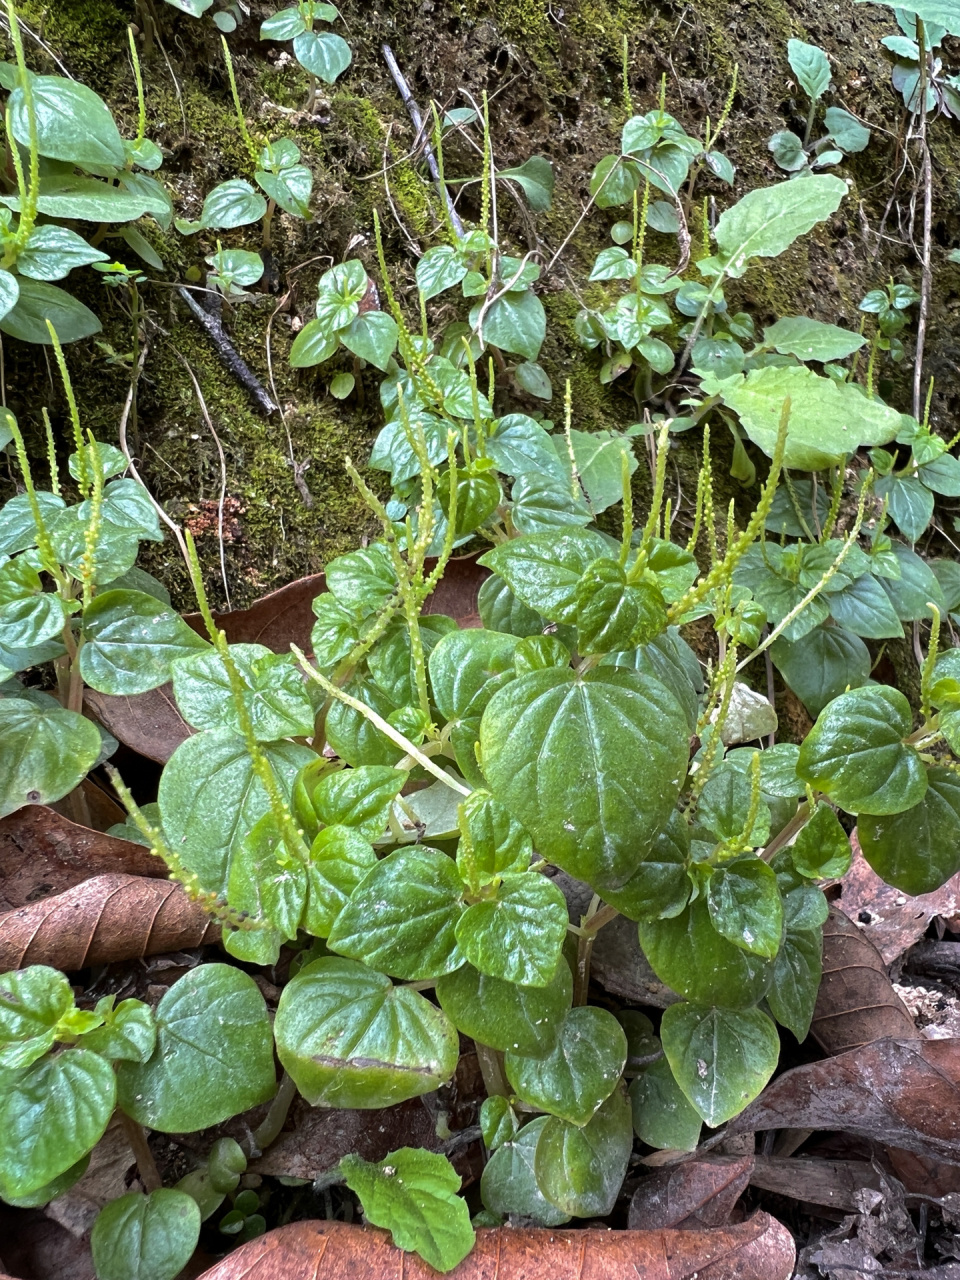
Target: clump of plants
411	806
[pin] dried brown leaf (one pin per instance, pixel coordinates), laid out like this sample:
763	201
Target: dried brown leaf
320	1137
146	722
108	918
696	1194
277	620
904	1092
891	919
42	854
91	805
856	1003
829	1182
456	593
760	1249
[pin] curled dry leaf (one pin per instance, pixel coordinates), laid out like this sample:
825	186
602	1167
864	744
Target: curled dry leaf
856	1003
695	1194
760	1249
900	1092
42	853
891	919
146	722
108	918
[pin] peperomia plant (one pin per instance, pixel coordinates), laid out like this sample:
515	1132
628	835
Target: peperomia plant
843	134
69	164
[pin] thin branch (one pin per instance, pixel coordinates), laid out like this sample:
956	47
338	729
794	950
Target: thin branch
414	113
228	354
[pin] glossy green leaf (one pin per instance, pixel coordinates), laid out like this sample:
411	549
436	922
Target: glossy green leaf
599	459
402	916
909	504
145	1237
821	850
232	204
72	122
796	980
32	1002
491	842
689	955
846	130
509	1184
535	177
822	665
660	885
275	696
498	1122
213	1058
131	642
543	569
114	554
290	189
515	322
358	798
518	935
542	503
39	302
339	859
349	1038
323	53
128	1034
462	665
439	269
626	737
613	614
503	1014
413	1193
210	797
581	1170
917	850
363	580
724	808
916	586
520	445
577	1076
313	344
721	1058
268	882
745	906
828	420
864	609
662	1116
856	755
51	1115
52	252
371	336
17	527
46	752
502	611
9	293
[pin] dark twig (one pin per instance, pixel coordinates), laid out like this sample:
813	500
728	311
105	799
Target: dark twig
228	353
417	118
926	278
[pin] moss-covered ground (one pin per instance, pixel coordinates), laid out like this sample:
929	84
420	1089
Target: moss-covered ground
554	72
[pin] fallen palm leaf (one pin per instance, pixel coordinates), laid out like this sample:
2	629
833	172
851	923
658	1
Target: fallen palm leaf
146	722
